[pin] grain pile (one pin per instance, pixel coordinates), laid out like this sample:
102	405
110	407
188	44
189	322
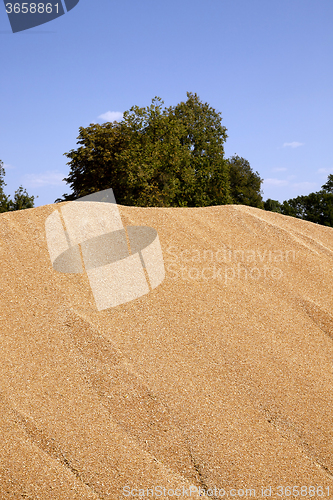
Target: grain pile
220	378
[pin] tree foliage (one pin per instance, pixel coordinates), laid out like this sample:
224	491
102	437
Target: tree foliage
21	198
328	187
154	157
272	205
245	185
3	198
315	207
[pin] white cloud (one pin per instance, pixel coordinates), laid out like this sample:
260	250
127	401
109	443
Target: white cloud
325	170
49	178
293	144
279	169
298	186
7	166
112	116
276	182
308	186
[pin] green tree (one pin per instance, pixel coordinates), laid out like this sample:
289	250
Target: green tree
315	207
328	187
21	198
272	205
245	185
293	208
204	137
154	157
158	165
94	165
3	197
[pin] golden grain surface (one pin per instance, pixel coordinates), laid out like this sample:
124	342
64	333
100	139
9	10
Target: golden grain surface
221	377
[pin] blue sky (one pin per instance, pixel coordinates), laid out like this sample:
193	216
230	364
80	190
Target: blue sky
266	65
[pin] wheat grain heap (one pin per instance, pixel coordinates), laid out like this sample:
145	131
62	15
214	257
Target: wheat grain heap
220	378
